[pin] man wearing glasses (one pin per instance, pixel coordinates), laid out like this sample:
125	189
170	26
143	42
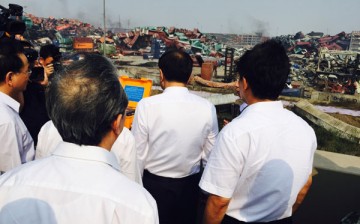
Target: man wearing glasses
80	182
17	146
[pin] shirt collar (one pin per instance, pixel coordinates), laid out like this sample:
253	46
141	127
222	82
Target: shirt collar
261	106
10	101
172	89
85	152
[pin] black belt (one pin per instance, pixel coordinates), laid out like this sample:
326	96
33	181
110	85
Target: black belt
230	220
152	176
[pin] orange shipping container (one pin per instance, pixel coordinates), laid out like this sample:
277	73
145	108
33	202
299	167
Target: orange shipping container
83	44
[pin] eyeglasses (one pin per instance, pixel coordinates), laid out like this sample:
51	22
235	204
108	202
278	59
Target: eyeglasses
129	112
28	72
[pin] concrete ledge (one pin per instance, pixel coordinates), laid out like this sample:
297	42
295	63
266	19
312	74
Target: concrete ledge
305	109
334	97
222	99
337	162
217	98
334	191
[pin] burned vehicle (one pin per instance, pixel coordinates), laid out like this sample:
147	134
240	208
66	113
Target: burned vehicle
338	71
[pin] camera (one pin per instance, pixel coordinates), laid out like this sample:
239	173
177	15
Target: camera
57	66
37	74
57	59
11	20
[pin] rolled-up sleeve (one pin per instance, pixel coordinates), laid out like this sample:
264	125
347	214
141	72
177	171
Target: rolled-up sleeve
225	166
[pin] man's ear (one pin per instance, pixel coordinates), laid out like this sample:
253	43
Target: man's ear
118	124
162	79
8	78
245	83
161	75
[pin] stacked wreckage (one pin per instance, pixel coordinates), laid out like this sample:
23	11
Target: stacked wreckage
323	62
327	63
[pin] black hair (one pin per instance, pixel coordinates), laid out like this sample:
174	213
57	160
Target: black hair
176	66
9	57
31	54
50	50
84	100
266	68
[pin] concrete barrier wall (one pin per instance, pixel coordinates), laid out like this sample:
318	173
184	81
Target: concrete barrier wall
305	109
334	97
337	162
334	192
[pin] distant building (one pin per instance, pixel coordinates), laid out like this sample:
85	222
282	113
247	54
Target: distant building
249	40
240	41
355	41
119	30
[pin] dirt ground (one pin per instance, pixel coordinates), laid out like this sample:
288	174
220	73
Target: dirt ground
354	121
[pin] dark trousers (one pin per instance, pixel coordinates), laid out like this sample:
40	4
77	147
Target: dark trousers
230	220
176	198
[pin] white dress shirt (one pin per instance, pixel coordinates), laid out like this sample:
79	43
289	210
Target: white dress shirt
17	146
173	132
76	184
261	160
123	149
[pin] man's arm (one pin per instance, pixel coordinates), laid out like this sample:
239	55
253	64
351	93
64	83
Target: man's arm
302	194
125	151
215	209
140	134
211	138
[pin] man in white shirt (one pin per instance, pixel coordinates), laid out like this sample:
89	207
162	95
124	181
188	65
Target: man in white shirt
260	168
17	146
123	149
174	133
80	182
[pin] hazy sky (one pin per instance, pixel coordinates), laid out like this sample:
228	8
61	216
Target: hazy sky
273	17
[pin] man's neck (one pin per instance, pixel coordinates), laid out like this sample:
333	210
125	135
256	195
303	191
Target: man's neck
258	101
173	84
7	91
251	99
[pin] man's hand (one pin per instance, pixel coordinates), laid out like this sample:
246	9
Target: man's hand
45	81
215	209
302	194
49	69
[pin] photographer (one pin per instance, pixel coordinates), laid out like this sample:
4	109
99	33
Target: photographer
50	58
34	113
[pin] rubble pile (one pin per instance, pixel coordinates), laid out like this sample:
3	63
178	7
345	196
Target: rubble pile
193	41
41	31
322	61
310	44
318	60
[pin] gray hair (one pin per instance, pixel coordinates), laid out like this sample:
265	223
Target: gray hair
84	99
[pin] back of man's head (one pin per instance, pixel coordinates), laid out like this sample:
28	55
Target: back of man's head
266	68
176	66
84	100
9	57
